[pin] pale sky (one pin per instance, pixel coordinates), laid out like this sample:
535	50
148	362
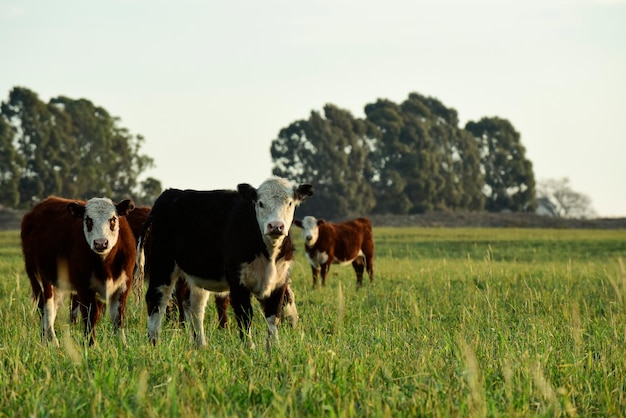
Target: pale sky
211	83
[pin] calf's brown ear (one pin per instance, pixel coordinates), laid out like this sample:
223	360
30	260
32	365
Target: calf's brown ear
124	207
297	222
76	209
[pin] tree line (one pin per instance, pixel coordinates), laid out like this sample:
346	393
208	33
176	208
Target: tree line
402	158
405	158
70	148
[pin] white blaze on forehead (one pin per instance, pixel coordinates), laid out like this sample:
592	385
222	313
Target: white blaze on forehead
276	202
310	230
102	212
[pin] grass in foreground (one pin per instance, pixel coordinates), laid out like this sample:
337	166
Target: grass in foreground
459	322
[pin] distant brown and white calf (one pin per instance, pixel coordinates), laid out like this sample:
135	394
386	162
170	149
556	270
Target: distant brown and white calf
83	247
327	243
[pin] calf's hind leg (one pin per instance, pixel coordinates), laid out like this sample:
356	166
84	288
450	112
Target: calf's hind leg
194	313
325	268
74	309
49	301
316	272
369	262
359	266
221	303
157	299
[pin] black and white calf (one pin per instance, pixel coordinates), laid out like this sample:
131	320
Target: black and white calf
222	240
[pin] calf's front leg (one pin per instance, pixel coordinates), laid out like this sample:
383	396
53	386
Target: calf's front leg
240	300
272	308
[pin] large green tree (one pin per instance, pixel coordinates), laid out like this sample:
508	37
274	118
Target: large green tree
423	160
509	177
70	148
388	156
331	152
405	158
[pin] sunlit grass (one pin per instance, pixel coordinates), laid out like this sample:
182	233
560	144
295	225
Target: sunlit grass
458	322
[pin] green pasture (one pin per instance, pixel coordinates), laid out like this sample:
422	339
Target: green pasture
458	322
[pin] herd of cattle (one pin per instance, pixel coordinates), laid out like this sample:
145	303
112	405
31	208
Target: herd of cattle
233	243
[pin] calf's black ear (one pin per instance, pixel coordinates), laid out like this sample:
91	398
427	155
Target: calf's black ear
297	222
247	191
125	207
76	209
303	191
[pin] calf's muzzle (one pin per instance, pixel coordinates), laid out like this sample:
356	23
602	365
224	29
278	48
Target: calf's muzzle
275	228
100	244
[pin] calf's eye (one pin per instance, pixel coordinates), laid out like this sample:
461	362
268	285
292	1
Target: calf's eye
89	223
112	222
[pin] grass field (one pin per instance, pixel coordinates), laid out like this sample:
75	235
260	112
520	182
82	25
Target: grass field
458	322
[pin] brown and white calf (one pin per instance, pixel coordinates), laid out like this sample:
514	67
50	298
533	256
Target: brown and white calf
221	240
327	243
135	219
82	247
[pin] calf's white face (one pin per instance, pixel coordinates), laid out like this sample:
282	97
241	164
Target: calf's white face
310	230
101	222
275	206
275	202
